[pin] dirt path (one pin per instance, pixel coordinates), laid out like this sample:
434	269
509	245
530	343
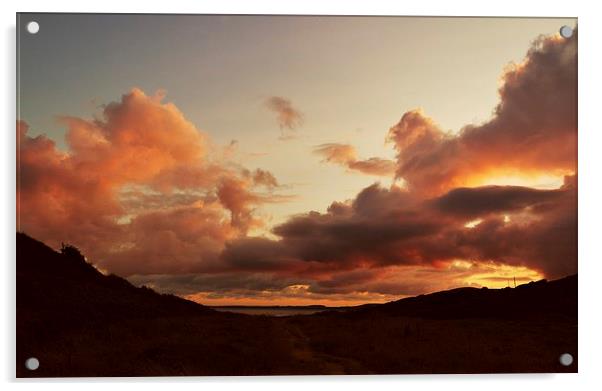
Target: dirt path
316	362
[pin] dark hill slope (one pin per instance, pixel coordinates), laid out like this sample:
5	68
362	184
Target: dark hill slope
47	278
558	297
464	330
79	322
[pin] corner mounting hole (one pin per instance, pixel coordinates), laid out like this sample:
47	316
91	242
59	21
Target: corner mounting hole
32	363
566	359
566	32
33	27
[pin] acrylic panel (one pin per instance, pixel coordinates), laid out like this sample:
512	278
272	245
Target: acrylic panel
204	195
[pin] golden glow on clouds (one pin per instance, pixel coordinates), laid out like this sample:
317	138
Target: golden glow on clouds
294	295
458	273
501	276
473	223
536	181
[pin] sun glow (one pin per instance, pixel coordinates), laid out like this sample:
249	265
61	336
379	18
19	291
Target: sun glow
502	276
536	181
473	223
297	296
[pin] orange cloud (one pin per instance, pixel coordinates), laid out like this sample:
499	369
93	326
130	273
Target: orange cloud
138	139
346	155
142	163
262	178
533	130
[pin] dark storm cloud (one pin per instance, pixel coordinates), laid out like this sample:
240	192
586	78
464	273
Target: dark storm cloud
543	239
475	202
383	227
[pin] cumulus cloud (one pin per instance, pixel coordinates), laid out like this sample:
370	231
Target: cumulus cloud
138	190
346	156
287	116
533	129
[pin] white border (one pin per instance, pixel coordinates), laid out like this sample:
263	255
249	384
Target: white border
590	194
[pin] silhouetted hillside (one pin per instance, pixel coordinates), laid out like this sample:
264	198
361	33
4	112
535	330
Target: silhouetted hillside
530	300
46	278
79	322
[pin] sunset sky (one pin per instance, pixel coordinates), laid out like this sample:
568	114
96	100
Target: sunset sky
301	160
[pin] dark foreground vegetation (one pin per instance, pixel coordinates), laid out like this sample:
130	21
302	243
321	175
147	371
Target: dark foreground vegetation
78	322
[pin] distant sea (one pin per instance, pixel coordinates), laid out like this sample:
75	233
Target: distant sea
275	311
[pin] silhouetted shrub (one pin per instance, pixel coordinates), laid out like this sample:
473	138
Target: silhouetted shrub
72	252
